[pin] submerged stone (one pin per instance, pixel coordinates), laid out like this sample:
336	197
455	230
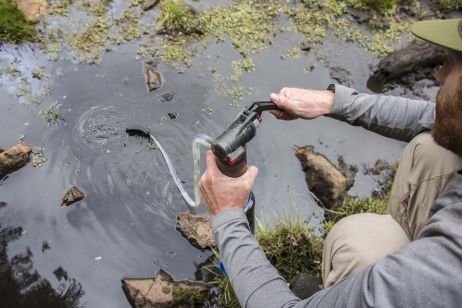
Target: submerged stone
33	10
196	229
14	159
73	195
149	4
163	291
152	75
324	179
167	97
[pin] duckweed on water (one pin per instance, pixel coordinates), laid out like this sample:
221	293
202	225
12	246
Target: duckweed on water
38	158
14	28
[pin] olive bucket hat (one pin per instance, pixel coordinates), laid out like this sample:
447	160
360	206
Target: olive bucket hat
445	33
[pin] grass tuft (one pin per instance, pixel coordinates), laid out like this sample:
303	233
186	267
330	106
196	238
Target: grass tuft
14	27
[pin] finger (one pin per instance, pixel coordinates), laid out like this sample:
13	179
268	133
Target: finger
277	113
279	100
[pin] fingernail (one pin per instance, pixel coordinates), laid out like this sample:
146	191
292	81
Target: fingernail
274	96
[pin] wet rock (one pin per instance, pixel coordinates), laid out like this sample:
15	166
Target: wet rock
152	75
14	159
407	67
163	291
173	115
73	195
33	10
348	170
324	179
383	173
149	4
167	97
305	47
360	15
409	59
341	75
196	229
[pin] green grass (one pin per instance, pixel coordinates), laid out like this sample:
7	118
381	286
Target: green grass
178	18
14	28
291	248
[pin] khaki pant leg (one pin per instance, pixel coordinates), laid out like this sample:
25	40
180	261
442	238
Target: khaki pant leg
357	242
424	172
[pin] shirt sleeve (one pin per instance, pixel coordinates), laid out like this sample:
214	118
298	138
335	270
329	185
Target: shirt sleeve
425	273
394	117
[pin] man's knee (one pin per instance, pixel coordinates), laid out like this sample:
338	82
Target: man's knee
357	242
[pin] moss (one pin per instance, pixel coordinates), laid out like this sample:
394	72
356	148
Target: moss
178	18
60	7
14	28
291	248
38	73
97	8
188	298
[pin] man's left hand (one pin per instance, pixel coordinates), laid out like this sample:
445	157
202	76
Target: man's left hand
221	192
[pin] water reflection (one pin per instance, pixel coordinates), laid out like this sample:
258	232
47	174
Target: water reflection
22	286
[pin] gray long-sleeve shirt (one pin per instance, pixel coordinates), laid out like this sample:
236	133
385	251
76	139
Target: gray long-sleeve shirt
425	273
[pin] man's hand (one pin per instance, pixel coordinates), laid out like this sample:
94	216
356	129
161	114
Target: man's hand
302	103
220	192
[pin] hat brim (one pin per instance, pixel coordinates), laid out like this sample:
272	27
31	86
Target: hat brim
445	33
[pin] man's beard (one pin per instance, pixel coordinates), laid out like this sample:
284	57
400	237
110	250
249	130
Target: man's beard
447	130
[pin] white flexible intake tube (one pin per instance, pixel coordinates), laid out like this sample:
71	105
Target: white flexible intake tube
200	139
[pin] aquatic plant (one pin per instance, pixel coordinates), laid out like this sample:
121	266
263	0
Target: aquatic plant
178	18
14	28
51	115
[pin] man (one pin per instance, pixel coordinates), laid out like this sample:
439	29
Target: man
410	258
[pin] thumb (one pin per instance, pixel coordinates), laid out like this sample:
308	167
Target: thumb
250	175
211	162
279	100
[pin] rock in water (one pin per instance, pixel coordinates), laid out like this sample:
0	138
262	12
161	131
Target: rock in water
411	59
163	291
324	179
149	4
154	78
33	10
73	195
14	159
196	229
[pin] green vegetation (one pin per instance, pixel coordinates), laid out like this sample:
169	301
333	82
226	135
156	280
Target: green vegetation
38	158
291	248
449	4
51	115
14	28
188	298
178	18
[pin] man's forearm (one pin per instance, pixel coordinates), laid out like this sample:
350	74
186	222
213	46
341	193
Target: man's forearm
395	117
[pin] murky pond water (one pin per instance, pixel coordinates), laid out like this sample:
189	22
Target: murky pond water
125	227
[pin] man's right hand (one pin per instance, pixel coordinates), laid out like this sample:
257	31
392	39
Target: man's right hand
302	103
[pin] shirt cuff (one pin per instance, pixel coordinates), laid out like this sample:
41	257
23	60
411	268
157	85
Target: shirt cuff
227	216
342	97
